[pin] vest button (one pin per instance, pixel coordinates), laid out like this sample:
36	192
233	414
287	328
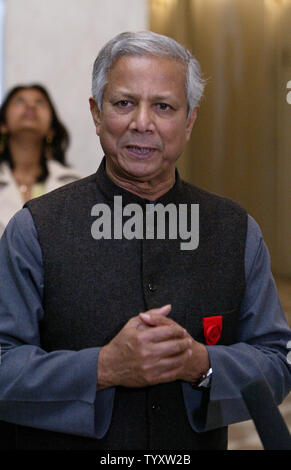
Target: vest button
156	407
152	287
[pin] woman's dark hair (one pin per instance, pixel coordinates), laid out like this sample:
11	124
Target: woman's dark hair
60	140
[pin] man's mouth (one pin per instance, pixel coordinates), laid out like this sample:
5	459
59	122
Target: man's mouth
141	151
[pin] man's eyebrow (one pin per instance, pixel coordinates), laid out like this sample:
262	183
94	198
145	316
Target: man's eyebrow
123	93
117	94
162	96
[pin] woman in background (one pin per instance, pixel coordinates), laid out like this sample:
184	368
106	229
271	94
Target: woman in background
33	143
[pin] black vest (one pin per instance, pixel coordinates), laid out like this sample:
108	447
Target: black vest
92	287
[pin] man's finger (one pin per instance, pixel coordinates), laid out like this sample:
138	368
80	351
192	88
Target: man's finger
164	333
154	319
172	347
162	312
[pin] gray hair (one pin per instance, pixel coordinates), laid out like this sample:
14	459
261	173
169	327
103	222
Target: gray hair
147	43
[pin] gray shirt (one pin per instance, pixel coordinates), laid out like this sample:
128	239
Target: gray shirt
57	390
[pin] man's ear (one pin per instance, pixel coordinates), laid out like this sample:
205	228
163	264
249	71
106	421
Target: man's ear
190	122
96	114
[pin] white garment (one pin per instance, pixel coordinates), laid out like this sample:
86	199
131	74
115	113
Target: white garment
10	197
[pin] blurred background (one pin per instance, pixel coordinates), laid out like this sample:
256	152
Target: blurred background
241	143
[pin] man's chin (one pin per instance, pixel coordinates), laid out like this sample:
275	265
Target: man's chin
141	171
137	167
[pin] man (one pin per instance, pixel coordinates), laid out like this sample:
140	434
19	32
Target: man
112	338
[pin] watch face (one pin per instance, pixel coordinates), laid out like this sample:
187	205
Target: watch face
204	382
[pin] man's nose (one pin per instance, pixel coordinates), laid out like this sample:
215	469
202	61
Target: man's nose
142	119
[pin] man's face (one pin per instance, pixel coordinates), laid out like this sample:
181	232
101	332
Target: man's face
143	125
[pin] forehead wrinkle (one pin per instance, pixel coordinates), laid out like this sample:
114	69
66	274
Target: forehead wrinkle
148	65
127	79
131	94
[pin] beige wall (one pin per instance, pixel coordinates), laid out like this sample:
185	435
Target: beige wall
55	42
240	145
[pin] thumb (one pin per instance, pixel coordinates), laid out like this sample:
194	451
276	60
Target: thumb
151	317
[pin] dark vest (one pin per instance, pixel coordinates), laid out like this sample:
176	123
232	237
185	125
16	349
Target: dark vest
92	287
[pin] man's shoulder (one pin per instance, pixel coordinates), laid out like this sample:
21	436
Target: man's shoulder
210	199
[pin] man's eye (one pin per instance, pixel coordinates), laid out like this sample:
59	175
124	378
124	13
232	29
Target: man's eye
123	103
164	106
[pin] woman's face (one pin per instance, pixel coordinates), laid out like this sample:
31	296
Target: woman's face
28	112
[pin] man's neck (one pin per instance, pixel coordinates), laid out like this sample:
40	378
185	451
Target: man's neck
151	189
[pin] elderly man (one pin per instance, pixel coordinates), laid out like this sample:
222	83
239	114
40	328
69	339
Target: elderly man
115	333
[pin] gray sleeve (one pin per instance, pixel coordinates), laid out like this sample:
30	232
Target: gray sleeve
259	353
54	391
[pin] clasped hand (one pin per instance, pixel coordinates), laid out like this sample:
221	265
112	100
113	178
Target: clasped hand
151	349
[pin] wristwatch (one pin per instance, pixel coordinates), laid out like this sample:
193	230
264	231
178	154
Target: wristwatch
204	381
